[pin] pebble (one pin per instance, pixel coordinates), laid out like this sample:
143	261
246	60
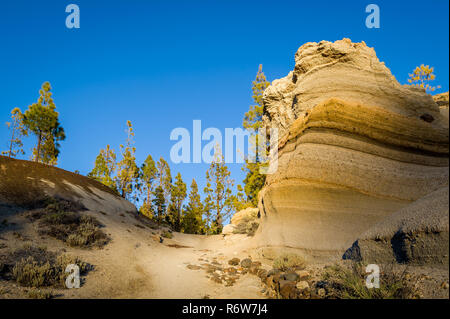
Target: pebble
321	292
303	274
246	263
302	285
234	261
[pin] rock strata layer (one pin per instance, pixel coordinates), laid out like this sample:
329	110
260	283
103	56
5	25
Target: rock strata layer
355	147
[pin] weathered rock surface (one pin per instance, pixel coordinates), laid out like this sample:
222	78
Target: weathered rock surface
442	101
417	234
343	70
243	222
355	147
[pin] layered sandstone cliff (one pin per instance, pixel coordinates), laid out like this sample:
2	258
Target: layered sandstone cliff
355	147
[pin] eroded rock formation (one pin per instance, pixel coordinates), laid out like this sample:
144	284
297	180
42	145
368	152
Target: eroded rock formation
243	222
355	147
416	234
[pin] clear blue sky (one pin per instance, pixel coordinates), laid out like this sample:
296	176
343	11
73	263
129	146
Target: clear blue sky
161	64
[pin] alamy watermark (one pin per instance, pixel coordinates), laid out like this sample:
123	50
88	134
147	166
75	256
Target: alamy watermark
373	19
73	19
373	277
73	279
260	146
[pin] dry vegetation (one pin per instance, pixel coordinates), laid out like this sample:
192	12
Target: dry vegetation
37	267
62	220
349	283
286	262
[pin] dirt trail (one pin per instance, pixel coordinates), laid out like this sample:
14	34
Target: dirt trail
136	265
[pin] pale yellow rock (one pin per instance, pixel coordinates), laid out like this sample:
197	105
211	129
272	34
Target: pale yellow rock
355	147
242	222
228	229
442	101
343	70
244	215
302	285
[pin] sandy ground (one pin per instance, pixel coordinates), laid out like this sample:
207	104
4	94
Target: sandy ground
135	264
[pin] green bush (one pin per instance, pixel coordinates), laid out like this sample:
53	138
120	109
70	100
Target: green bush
87	234
36	267
31	273
285	262
74	229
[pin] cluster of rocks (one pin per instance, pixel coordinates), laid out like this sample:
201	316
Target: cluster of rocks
295	283
226	274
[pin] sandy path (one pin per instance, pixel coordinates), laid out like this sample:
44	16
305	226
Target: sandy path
171	278
136	265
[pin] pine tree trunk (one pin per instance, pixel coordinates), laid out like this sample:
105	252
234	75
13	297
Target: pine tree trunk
11	145
178	223
38	147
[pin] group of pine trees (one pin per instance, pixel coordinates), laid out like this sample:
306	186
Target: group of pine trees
151	183
42	120
166	200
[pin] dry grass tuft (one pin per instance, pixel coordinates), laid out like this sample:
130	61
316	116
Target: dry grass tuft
37	267
35	293
61	219
286	262
349	283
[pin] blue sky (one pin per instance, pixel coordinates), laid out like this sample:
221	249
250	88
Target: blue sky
162	64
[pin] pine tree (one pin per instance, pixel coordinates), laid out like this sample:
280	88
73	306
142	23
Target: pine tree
422	76
238	200
50	148
159	204
127	170
254	180
105	166
18	130
148	176
178	194
164	178
192	219
42	120
218	191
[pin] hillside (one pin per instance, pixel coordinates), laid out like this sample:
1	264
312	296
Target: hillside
132	264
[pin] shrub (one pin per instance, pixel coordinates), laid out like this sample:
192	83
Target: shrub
61	219
28	272
349	283
285	262
74	229
167	234
34	293
39	268
87	234
2	268
252	227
